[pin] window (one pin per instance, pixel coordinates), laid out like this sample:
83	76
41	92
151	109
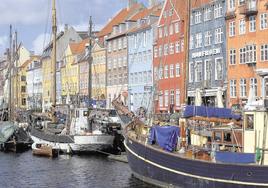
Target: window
171	29
208	38
144	39
243	87
160	31
249	123
171	12
219	68
198	41
217	11
182	45
231	5
166	71
198	71
161	99
165	30
177	47
172	99
263	22
251	56
23	78
233	88
227	137
191	19
155	52
176	25
253	86
23	101
171	48
160	72
23	89
218	35
119	43
207	14
171	71
166	98
241	2
252	24
232	56
109	46
208	69
160	50
218	136
156	73
242	56
264	52
135	41
191	42
178	95
191	72
231	29
166	49
178	70
197	17
242	26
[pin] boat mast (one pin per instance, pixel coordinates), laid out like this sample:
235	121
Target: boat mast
9	74
16	68
53	60
187	28
90	61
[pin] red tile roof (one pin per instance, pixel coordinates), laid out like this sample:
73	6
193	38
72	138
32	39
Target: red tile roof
78	48
120	17
156	11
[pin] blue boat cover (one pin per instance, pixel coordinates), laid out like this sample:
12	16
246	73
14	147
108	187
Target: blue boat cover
234	157
211	112
165	136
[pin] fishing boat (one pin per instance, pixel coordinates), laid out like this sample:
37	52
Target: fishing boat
45	150
81	136
171	156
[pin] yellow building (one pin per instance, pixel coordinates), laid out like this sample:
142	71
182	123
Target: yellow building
19	89
70	70
98	70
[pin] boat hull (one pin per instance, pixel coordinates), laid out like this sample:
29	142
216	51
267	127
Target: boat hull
77	144
168	170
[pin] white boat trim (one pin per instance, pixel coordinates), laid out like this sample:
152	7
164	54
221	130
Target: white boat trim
194	176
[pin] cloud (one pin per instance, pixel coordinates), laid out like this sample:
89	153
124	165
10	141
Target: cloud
3	42
40	43
23	11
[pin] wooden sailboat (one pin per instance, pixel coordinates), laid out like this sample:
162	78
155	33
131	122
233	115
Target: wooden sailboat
45	150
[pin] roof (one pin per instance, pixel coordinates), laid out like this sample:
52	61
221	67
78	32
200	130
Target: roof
155	11
78	48
143	27
26	63
120	17
200	3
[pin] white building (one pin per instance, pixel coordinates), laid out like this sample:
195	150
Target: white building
34	84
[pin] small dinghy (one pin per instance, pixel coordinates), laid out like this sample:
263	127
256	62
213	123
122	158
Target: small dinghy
45	150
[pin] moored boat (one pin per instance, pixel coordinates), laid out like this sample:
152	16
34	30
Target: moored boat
173	157
44	150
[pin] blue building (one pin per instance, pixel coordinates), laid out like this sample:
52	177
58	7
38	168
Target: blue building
140	63
207	53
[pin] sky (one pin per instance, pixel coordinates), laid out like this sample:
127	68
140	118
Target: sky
32	18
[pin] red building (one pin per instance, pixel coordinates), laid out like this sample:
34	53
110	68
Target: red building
169	57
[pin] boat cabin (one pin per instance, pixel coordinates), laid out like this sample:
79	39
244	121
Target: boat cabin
79	124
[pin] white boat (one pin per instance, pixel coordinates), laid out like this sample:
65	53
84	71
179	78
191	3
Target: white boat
83	136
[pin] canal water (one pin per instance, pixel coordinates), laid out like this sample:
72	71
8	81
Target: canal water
25	171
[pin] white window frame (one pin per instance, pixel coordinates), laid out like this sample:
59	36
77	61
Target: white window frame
177	70
233	88
252	23
207	14
171	71
198	71
242	26
243	88
217	76
264	52
218	35
208	38
232	29
166	98
198	15
208	64
263	21
198	40
232	56
177	98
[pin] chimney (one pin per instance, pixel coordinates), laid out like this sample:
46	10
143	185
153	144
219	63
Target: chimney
131	3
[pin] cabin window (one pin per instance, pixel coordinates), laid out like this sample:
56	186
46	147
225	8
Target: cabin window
217	136
85	113
227	137
249	124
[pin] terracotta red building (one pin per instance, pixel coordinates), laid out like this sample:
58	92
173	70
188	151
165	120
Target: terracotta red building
169	57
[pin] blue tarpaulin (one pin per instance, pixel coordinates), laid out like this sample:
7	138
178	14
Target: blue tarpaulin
211	112
165	136
234	157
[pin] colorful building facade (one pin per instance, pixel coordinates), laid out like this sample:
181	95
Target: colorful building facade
247	29
207	53
140	59
169	57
